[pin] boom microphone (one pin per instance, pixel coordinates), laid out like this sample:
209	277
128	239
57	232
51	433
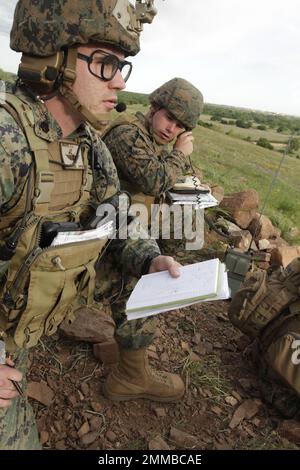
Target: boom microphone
121	107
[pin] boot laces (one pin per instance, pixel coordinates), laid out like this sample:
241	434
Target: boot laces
160	375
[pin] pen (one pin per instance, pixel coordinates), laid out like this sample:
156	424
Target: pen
16	384
3	361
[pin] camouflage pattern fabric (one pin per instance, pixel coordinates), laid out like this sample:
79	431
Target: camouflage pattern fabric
17	424
275	392
116	287
181	99
151	167
42	28
15	159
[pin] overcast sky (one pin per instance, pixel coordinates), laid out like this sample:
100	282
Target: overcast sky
237	52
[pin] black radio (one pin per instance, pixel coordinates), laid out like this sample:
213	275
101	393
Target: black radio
51	229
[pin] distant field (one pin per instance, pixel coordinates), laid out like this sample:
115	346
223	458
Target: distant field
271	134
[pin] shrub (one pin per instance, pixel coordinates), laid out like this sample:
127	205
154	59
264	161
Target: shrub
216	117
205	124
263	142
294	145
242	124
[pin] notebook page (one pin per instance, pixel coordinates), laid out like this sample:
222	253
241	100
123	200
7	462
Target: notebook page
223	293
198	280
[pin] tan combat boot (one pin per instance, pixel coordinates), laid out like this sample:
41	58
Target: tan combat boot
133	378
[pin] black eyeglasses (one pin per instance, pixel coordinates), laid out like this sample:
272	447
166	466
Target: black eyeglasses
103	65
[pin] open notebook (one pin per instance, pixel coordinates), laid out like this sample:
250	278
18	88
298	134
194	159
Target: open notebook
202	201
159	292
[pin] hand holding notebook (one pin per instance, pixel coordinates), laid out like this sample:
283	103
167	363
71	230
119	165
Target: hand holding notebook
159	292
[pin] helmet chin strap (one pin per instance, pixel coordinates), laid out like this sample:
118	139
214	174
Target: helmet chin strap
149	123
100	120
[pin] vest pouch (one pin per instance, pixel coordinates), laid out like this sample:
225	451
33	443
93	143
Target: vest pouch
60	278
145	200
76	281
260	300
283	356
246	300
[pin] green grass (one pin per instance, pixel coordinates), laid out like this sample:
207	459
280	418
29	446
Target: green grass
238	165
267	440
206	375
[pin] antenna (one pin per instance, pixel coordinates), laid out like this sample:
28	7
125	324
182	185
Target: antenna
271	186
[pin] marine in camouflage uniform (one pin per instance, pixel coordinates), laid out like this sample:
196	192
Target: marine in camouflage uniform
152	151
150	167
44	33
145	160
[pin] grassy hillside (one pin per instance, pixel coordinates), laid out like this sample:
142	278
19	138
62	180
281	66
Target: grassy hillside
129	97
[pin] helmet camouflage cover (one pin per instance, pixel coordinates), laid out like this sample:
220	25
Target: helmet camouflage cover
42	28
181	99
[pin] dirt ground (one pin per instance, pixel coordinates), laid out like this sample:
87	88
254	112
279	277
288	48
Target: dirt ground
221	409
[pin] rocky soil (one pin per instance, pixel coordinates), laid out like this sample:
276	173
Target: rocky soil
221	409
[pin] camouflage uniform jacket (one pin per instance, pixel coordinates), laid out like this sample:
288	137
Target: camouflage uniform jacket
15	158
151	167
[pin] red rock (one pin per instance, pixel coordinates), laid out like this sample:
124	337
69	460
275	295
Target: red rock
93	324
89	438
261	227
41	392
182	439
248	409
84	429
158	444
241	206
283	255
217	192
264	244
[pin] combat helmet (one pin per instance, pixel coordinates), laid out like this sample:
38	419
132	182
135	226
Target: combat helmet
181	99
48	33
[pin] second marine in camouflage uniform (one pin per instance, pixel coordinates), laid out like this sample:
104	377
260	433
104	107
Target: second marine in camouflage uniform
140	144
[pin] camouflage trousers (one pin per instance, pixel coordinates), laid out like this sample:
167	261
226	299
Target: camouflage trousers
116	288
273	390
277	394
17	424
